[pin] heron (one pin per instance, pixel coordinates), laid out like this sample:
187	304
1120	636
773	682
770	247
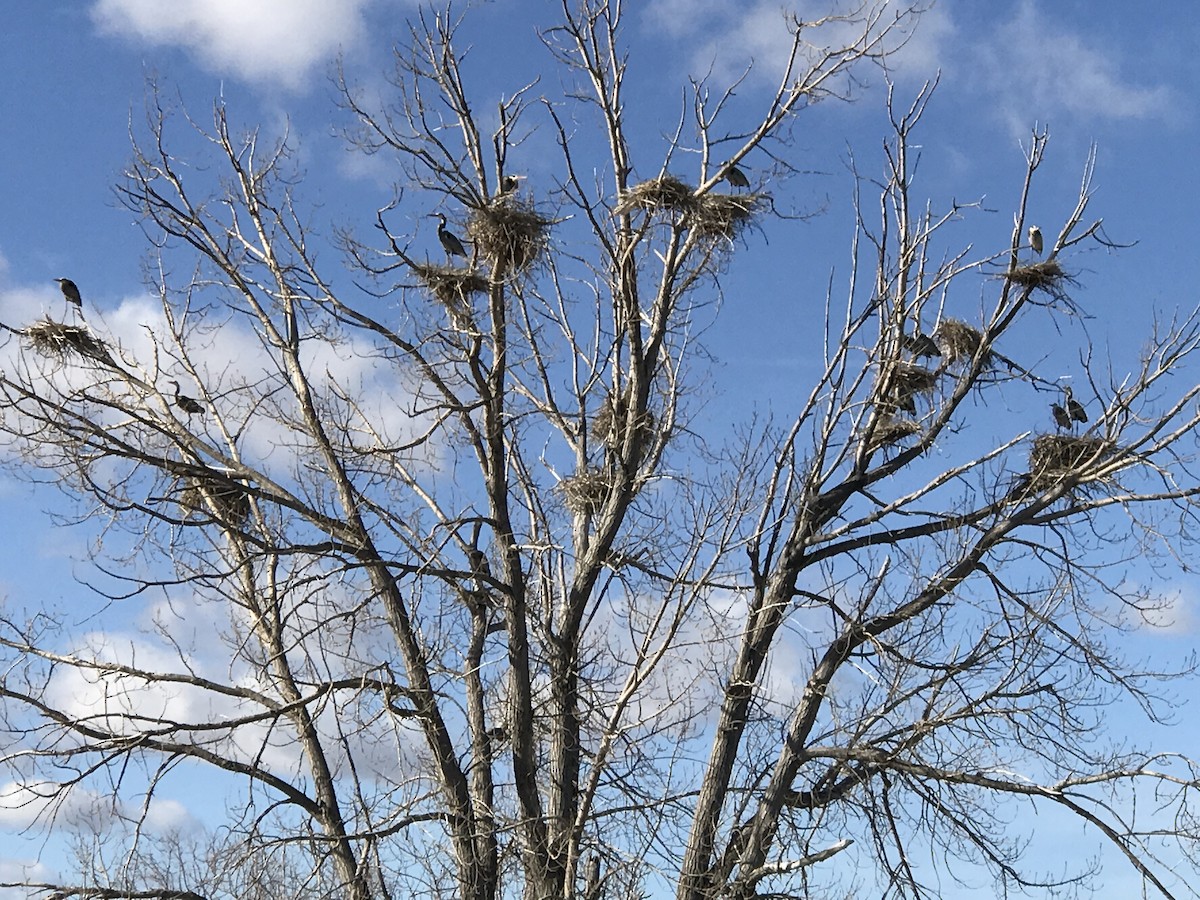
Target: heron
450	242
70	290
1035	239
1074	407
1061	417
186	403
919	344
736	177
510	183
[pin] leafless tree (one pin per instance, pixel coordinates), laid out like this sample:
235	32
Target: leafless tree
453	594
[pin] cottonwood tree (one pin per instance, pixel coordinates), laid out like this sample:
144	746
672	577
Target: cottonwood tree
450	592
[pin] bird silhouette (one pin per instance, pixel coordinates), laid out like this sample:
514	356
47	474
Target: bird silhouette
186	403
1035	239
1074	407
1061	418
450	242
510	183
736	177
919	344
70	290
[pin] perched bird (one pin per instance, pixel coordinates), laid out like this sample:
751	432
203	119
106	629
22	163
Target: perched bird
919	344
1074	407
736	177
450	242
70	290
510	183
1035	239
1061	418
186	403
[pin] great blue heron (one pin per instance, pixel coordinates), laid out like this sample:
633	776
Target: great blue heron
450	242
70	290
919	344
1061	418
1074	407
1035	239
186	403
510	183
736	177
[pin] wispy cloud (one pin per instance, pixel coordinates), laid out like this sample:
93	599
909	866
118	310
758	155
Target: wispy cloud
277	41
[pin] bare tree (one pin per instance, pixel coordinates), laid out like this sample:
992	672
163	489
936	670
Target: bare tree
481	608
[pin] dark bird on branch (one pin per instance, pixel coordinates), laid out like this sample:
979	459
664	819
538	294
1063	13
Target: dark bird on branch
450	242
1035	239
186	403
1074	407
919	344
70	290
510	183
1061	418
736	177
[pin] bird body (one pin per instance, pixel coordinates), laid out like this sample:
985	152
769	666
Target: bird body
450	242
1061	418
510	183
736	177
919	344
1035	239
1074	408
186	403
70	290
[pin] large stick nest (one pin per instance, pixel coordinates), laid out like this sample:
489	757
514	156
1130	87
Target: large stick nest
904	382
1055	456
613	419
664	192
891	430
958	341
586	491
58	339
453	288
511	233
1046	275
713	214
225	501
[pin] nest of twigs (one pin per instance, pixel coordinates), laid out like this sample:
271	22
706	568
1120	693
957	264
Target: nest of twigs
225	501
1054	456
958	341
890	430
664	192
510	233
1046	275
723	215
51	338
453	288
586	491
613	417
906	381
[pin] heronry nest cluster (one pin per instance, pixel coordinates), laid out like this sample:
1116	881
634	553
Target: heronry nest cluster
890	430
958	341
58	339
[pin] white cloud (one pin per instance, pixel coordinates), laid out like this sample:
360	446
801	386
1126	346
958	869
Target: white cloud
1171	612
280	41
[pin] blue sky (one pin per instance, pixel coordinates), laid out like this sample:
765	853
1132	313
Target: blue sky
74	75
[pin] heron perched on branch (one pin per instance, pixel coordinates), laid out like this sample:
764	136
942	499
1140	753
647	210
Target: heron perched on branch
1035	239
736	177
186	403
70	290
1074	408
450	242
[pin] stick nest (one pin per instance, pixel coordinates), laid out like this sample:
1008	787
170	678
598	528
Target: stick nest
1046	275
891	431
58	339
453	288
724	215
905	381
1054	456
511	233
664	192
958	341
613	418
225	501
586	491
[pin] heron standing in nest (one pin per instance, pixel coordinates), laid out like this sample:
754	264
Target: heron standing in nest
1061	418
450	242
186	403
70	291
509	183
1074	408
737	178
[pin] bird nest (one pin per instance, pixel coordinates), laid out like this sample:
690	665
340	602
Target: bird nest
226	501
889	431
51	338
958	340
1047	275
586	491
510	233
1054	456
904	382
453	288
664	192
723	215
613	418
